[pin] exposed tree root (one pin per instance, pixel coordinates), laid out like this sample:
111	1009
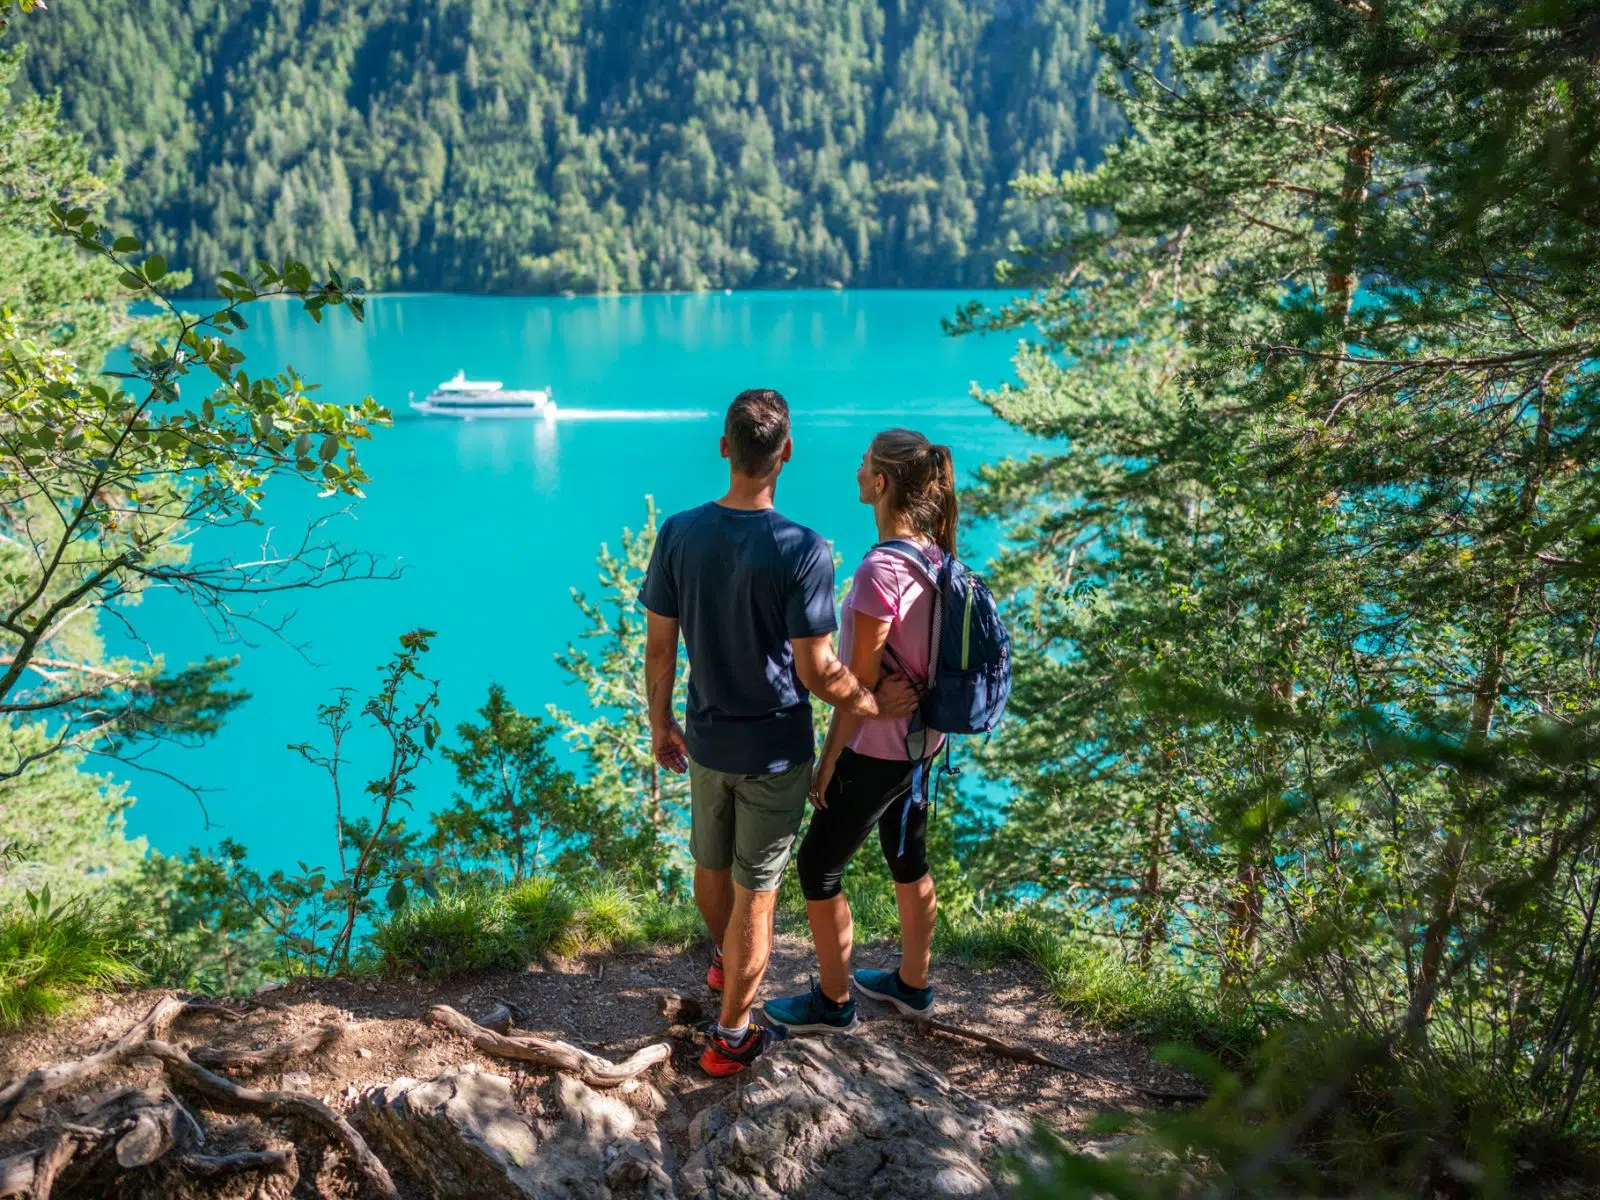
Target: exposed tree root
139	1126
309	1108
148	1125
268	1056
45	1080
207	1165
527	1047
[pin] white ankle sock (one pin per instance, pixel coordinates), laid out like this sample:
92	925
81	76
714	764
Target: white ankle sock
732	1034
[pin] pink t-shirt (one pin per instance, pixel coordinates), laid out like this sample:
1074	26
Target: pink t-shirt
889	588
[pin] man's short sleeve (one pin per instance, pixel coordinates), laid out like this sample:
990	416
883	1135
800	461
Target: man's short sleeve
810	611
659	591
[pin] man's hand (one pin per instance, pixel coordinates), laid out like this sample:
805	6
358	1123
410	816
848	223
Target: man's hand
667	744
896	696
660	670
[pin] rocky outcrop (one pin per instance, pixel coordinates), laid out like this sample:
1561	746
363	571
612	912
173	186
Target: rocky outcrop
846	1117
463	1133
835	1118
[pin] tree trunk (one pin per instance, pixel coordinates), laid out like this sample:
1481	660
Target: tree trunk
1485	697
1352	199
1249	885
1244	921
1353	196
1485	694
1152	914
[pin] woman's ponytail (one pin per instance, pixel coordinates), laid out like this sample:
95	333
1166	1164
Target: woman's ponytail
944	486
922	483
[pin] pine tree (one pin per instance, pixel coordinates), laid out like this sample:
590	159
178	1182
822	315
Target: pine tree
1304	577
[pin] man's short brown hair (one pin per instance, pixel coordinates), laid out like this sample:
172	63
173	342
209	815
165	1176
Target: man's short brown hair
757	425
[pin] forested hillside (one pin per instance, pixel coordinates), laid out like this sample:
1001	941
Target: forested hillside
591	145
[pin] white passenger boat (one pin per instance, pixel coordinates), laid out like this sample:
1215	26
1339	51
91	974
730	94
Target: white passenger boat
471	399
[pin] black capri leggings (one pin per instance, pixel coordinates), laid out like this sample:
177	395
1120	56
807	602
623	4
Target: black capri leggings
865	791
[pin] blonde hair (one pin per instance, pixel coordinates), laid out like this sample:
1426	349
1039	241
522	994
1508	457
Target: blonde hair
922	483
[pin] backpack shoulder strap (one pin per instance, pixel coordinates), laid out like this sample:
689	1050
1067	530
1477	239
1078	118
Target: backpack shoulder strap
913	554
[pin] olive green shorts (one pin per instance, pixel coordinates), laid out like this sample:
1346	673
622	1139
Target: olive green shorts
746	822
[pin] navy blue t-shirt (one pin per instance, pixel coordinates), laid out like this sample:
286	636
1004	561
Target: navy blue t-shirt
740	584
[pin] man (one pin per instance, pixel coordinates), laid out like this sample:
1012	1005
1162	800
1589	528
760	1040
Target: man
753	595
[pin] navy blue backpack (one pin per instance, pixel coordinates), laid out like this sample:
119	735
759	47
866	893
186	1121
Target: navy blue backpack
970	656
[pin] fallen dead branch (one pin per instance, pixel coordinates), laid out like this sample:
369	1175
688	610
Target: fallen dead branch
1020	1053
528	1047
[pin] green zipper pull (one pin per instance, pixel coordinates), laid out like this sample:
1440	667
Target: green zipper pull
966	629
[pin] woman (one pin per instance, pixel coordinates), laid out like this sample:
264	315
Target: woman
874	772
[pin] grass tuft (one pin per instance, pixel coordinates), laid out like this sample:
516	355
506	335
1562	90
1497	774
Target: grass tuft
472	928
539	912
462	930
50	958
1094	982
673	923
606	918
1087	978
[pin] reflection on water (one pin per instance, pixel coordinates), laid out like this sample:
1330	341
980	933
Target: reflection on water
514	447
546	457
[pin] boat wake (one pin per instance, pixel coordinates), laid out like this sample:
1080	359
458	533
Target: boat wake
563	413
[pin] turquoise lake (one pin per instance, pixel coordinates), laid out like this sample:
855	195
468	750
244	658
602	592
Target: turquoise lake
491	523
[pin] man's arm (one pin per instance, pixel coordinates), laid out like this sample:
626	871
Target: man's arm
824	675
660	676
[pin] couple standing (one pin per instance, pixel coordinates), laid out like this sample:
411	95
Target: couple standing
753	596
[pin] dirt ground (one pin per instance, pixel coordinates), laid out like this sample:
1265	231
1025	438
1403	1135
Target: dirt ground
609	1005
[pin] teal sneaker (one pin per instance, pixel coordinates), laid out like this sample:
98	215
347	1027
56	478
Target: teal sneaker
886	985
812	1012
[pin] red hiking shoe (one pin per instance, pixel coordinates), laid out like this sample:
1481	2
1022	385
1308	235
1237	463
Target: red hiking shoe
714	976
721	1059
